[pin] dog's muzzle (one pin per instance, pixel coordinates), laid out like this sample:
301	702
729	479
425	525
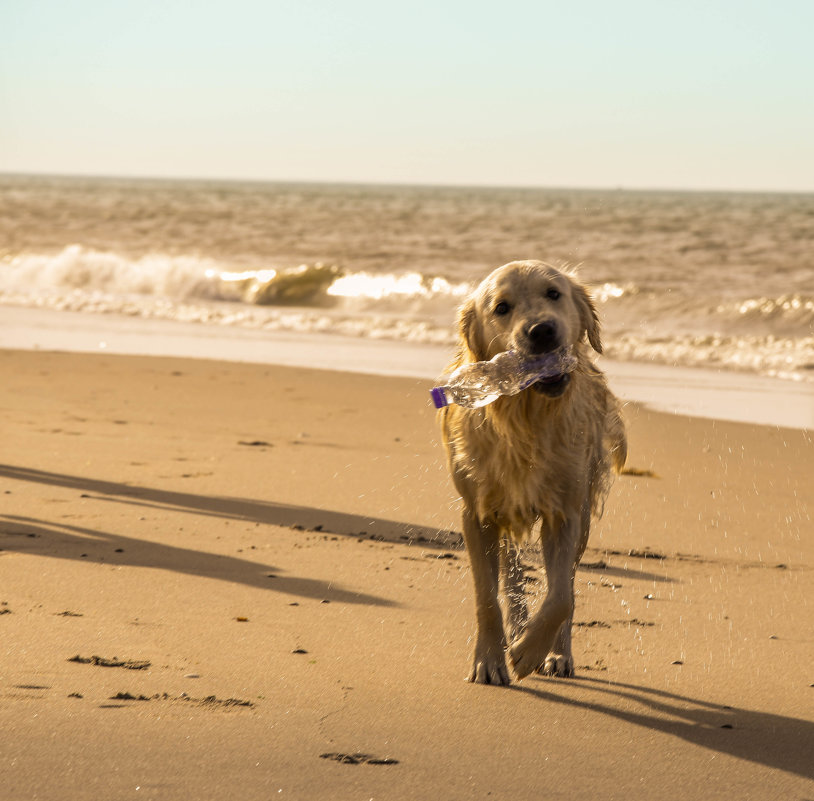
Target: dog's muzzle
544	337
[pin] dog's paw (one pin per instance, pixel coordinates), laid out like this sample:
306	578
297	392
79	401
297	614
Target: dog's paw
525	658
490	669
557	665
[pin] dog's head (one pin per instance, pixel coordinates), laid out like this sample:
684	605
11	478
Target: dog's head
529	307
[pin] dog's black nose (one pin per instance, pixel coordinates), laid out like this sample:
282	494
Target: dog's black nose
543	337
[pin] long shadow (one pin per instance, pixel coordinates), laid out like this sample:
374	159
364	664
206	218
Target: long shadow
627	573
776	741
63	541
267	512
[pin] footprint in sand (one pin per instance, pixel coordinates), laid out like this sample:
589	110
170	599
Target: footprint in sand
359	759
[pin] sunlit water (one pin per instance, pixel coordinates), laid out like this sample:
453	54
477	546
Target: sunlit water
691	279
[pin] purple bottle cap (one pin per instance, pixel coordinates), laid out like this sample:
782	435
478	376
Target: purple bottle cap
438	397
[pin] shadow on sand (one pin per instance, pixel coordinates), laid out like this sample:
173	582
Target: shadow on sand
775	741
66	541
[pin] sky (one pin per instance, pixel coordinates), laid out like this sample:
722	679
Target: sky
574	93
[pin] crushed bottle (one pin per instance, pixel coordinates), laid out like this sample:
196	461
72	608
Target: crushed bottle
480	383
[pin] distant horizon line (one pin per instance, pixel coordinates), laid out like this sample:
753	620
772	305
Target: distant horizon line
393	184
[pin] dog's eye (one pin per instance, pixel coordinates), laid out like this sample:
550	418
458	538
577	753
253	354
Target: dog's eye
553	294
502	308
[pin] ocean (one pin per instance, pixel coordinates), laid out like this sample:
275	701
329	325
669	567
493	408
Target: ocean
722	280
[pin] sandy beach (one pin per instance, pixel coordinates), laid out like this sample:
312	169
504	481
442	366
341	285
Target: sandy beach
223	580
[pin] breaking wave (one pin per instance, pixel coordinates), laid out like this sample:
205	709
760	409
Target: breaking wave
768	335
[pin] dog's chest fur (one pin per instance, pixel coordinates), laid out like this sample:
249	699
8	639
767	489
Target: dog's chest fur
527	458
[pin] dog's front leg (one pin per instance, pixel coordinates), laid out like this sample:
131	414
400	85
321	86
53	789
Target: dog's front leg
561	550
560	662
483	545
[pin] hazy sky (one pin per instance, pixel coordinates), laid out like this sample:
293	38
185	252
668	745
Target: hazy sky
598	93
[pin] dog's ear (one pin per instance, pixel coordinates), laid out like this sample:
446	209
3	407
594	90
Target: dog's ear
471	346
588	317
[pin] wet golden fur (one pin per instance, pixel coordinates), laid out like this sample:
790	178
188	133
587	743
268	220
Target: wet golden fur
528	459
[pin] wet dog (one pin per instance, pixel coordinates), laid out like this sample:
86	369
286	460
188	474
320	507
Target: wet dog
544	456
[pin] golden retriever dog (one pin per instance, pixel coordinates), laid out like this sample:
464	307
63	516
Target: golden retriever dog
543	456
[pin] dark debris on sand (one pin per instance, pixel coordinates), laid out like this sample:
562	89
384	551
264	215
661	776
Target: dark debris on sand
359	759
127	664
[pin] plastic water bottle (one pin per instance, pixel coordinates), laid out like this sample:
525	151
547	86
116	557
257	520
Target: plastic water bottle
480	383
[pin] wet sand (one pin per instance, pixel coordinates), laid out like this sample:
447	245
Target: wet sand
709	392
222	580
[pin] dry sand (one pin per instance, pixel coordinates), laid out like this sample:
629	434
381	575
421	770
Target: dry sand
259	571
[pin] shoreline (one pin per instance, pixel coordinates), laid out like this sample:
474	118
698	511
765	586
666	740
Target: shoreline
696	392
